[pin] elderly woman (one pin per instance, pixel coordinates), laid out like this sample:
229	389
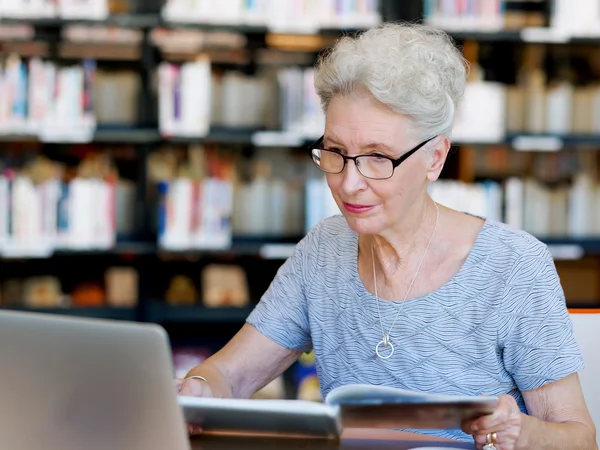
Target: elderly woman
401	291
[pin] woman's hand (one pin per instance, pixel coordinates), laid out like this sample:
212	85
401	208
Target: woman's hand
193	388
502	428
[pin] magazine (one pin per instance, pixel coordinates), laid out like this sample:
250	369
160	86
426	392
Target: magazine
350	406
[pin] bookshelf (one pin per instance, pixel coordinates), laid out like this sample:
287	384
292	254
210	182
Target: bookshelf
266	149
128	314
156	311
131	21
145	136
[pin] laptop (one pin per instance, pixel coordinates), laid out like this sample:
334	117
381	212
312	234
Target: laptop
86	384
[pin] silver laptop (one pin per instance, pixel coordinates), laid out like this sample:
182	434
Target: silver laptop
85	384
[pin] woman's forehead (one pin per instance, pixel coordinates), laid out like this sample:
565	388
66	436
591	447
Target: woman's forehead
388	138
358	122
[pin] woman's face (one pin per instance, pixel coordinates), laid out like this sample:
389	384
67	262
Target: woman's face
358	126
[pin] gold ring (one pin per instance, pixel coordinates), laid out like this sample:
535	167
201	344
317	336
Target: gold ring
490	440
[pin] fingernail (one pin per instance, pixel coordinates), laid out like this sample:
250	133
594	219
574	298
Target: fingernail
475	428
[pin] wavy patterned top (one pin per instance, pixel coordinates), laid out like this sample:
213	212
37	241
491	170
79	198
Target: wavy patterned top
499	326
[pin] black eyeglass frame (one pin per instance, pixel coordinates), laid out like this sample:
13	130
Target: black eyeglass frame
395	161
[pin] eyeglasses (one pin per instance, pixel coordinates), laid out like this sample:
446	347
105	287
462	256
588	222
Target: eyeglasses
376	167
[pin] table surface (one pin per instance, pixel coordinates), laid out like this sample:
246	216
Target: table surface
351	440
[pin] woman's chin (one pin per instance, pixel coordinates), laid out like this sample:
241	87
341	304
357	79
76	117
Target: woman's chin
363	225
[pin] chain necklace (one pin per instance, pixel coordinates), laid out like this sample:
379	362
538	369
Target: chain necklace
385	340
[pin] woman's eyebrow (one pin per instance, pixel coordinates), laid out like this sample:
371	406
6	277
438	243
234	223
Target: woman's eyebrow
380	146
331	140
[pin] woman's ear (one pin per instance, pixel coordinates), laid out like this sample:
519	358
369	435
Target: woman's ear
437	157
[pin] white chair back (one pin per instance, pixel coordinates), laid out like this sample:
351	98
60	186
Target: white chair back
587	332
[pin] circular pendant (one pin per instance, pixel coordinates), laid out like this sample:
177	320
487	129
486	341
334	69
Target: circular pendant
385	343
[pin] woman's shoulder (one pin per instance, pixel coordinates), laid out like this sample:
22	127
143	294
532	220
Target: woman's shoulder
512	247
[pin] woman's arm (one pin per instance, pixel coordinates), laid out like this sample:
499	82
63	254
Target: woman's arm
274	336
558	418
247	363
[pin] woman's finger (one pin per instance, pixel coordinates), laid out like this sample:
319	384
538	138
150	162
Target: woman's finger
194	430
489	425
178	385
194	388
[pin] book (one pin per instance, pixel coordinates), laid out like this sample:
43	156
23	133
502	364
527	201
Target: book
350	406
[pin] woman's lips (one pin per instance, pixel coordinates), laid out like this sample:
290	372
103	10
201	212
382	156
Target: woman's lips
357	209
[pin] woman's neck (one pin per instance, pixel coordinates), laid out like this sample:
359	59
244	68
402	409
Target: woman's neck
402	247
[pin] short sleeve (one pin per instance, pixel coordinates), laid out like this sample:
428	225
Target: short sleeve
536	333
282	312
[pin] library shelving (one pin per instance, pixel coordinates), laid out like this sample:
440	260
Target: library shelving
128	314
274	248
269	138
158	312
134	21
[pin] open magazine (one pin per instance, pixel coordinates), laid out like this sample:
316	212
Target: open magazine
350	406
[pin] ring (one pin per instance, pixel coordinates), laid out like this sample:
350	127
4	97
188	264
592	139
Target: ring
490	440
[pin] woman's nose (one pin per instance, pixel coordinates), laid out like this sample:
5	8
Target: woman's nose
353	180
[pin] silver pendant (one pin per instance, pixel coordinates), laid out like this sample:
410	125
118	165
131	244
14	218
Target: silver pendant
489	447
385	342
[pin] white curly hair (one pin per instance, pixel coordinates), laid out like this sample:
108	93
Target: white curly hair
415	70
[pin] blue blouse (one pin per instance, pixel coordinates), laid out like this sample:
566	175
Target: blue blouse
499	326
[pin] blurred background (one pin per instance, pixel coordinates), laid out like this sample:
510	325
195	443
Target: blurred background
153	162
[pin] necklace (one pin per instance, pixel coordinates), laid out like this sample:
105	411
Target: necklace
385	340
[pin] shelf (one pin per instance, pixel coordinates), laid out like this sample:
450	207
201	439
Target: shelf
491	36
129	314
160	312
101	135
281	139
551	142
540	35
133	248
281	248
149	21
219	135
127	136
136	21
275	248
261	244
572	248
241	28
267	247
542	142
584	308
260	29
588	308
243	136
249	136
